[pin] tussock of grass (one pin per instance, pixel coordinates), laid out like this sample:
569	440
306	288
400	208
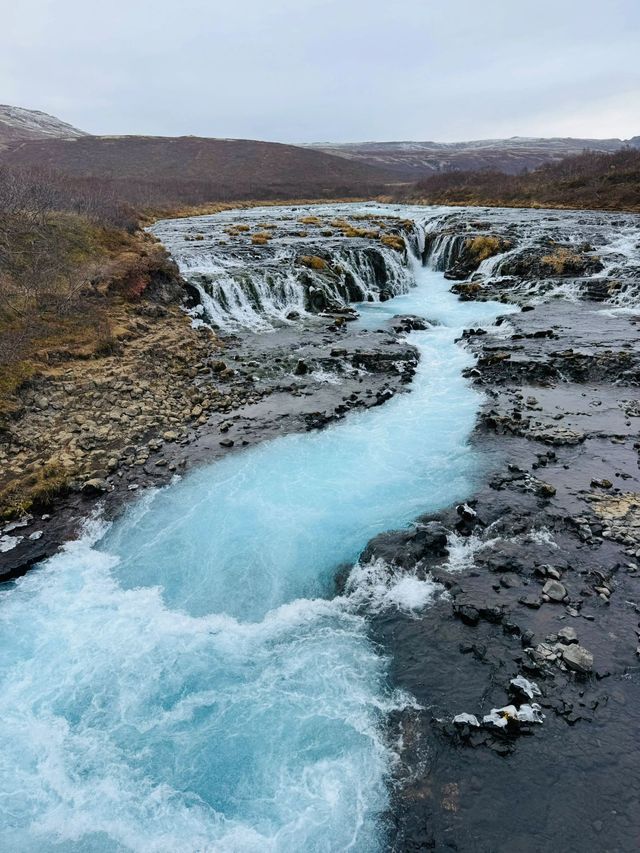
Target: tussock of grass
36	491
347	229
310	220
485	247
393	241
561	260
353	231
312	262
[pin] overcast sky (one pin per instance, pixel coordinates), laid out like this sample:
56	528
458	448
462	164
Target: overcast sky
327	70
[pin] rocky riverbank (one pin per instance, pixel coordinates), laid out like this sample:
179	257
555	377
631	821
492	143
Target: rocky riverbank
173	397
169	392
527	668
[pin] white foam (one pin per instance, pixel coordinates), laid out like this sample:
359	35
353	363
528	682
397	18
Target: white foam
380	586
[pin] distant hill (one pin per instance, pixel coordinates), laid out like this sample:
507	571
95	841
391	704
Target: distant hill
194	169
588	180
413	160
18	124
153	171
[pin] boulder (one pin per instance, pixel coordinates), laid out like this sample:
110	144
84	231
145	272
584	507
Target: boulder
409	323
95	486
554	590
578	658
568	635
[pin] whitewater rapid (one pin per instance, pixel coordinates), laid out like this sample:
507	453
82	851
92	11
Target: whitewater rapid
186	679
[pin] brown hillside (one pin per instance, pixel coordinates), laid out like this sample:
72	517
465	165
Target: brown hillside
418	160
194	169
589	180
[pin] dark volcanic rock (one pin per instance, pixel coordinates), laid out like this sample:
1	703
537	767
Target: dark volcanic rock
409	323
407	548
551	260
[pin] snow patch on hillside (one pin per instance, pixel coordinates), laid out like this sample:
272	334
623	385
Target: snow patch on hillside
34	124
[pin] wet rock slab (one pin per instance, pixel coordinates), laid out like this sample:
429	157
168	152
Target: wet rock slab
542	585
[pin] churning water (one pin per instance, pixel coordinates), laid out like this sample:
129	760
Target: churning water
186	679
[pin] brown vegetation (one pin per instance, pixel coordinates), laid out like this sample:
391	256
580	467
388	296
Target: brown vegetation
561	261
261	237
163	172
483	247
586	181
65	257
312	262
393	241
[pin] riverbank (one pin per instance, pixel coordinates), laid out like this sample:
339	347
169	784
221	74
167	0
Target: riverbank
93	421
543	599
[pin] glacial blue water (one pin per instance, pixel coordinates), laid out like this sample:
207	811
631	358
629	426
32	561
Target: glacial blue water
186	680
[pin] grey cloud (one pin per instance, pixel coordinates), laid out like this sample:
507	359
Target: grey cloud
309	70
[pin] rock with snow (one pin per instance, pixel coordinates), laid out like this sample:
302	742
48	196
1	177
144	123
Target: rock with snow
466	720
8	543
502	717
520	684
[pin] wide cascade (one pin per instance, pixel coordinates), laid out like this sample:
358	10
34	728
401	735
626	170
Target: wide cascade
187	678
291	264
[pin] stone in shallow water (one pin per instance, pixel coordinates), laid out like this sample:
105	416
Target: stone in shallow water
554	590
94	486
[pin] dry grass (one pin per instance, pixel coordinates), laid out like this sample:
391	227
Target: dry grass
585	181
312	262
561	260
60	291
485	247
366	233
393	241
36	491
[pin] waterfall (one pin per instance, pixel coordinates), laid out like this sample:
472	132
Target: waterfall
611	239
240	286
